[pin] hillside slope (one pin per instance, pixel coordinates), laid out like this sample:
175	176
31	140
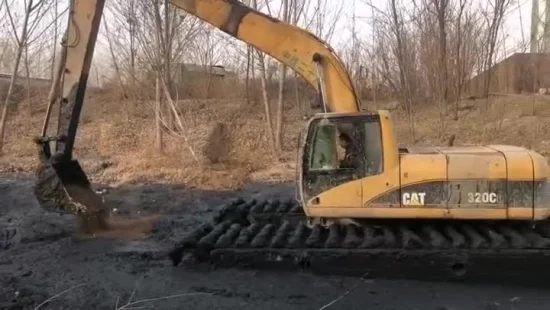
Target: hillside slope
116	139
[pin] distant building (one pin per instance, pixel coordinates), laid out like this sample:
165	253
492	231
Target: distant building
201	81
517	74
192	79
35	82
183	73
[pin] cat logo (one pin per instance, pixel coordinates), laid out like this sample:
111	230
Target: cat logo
413	199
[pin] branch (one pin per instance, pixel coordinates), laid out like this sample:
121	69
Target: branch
10	17
57	295
48	27
178	119
132	304
345	293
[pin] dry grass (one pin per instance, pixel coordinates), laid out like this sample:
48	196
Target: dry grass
115	143
508	120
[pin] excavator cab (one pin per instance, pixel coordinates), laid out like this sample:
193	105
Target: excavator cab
338	148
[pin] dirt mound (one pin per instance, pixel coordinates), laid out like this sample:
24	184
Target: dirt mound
217	148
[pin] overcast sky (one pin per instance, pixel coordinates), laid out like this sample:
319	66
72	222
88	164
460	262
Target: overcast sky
516	25
517	22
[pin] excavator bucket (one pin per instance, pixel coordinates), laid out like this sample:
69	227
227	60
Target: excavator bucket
64	187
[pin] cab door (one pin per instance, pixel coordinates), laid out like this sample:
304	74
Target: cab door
380	182
299	171
324	182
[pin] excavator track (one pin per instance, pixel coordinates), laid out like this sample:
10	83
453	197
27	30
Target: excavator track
274	235
264	211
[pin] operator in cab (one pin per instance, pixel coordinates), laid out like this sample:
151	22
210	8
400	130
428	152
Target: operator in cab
351	157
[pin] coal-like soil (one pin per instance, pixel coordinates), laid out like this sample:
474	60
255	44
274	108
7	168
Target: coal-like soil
40	256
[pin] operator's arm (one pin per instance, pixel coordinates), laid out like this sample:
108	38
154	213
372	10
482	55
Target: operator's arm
292	46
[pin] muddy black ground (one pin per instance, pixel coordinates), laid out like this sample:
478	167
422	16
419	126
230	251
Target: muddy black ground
41	257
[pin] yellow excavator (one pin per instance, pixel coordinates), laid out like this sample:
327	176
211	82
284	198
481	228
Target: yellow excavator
376	179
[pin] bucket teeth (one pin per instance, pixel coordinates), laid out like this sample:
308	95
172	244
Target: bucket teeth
64	188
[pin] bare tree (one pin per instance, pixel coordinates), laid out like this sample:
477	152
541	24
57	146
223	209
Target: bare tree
115	60
282	77
123	40
494	17
55	37
159	67
149	37
321	19
440	11
459	63
262	62
427	51
206	50
34	12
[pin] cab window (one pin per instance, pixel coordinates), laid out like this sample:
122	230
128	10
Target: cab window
374	154
323	153
340	150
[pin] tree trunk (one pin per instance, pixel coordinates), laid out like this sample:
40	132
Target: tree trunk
280	106
404	81
441	18
158	107
28	75
247	79
267	106
115	61
167	59
13	79
159	66
297	94
133	34
280	102
459	71
52	71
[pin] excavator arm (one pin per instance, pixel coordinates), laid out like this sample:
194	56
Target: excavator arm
62	184
298	49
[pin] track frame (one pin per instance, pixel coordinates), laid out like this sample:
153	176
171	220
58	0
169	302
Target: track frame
274	235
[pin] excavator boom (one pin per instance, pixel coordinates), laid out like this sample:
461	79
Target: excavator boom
62	184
